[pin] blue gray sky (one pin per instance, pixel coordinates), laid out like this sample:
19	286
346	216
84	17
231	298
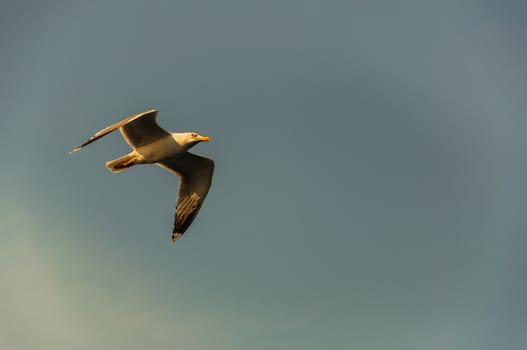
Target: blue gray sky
369	189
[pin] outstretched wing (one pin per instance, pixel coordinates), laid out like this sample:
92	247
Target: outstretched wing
137	130
142	130
195	177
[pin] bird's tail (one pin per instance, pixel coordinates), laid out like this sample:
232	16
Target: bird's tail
121	163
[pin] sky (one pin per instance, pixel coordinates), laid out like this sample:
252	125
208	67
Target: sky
369	189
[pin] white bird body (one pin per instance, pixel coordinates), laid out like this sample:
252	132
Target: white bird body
151	144
161	149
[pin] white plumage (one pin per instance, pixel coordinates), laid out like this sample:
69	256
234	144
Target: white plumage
151	144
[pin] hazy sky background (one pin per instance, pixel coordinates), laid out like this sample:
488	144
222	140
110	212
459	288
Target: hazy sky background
369	189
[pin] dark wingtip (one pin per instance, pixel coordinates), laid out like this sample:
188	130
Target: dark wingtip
176	236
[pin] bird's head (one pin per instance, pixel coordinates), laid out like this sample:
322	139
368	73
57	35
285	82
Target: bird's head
189	139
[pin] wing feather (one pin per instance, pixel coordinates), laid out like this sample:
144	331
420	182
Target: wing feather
195	178
146	118
143	130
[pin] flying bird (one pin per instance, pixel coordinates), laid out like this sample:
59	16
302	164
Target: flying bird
152	144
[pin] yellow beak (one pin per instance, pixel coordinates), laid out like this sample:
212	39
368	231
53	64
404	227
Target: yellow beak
203	138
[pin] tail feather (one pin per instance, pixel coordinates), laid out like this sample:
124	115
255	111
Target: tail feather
121	163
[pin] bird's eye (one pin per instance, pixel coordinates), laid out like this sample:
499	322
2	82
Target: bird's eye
194	134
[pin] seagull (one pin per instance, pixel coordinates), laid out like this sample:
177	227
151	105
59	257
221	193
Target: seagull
152	144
